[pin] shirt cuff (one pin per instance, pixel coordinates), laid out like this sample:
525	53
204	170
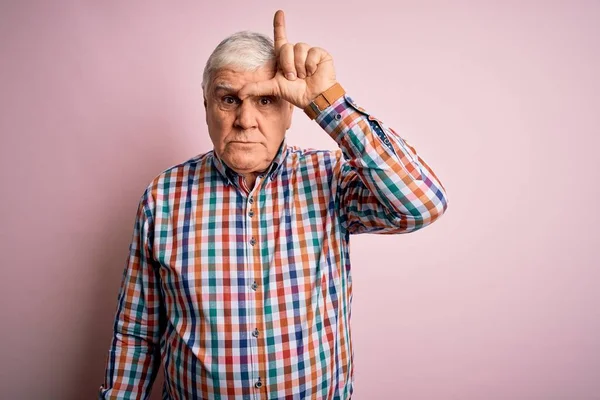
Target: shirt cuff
339	117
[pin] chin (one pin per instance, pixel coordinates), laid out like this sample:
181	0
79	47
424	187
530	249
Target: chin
245	162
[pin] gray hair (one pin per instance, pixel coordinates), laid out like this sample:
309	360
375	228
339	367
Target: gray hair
246	50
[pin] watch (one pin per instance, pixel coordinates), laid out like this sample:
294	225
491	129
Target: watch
324	100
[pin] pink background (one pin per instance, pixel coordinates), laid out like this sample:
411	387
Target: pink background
497	300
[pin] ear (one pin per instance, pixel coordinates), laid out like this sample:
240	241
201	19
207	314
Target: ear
291	114
205	111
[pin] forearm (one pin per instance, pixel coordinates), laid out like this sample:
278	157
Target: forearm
130	370
387	165
131	365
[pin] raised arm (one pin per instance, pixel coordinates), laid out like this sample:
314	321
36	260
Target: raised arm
384	186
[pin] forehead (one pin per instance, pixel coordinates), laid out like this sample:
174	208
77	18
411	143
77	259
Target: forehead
234	78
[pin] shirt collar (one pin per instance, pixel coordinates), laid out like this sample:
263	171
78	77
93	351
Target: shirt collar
274	168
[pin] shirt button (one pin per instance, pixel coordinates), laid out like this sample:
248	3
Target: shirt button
254	286
338	116
258	384
252	241
251	200
255	333
251	213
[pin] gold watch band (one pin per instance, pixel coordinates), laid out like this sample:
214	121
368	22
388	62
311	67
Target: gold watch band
324	100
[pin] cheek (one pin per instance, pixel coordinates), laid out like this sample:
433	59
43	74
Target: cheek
280	124
284	117
277	120
219	125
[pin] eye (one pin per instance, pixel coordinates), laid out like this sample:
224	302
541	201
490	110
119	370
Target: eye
229	100
265	101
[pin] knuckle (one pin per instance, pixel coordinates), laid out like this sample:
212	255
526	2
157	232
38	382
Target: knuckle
300	46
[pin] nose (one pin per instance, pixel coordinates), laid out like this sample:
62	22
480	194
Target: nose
245	117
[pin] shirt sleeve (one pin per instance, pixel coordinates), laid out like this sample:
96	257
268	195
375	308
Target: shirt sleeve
384	186
134	356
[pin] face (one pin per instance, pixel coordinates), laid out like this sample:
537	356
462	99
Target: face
246	134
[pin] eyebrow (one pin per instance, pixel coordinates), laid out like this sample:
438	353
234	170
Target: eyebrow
226	87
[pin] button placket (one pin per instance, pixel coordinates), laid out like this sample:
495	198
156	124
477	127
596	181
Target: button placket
253	253
251	224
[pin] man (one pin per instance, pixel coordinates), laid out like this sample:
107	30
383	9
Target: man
239	271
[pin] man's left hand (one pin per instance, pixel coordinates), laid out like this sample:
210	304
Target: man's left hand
303	72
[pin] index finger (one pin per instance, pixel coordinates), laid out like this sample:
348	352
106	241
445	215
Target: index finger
279	30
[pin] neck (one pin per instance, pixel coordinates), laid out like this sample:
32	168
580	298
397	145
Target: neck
250	179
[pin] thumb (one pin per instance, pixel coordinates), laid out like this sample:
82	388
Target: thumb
264	88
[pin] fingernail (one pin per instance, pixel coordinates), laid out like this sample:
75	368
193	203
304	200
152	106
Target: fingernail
290	76
301	75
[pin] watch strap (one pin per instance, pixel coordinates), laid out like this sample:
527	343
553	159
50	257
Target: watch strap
324	100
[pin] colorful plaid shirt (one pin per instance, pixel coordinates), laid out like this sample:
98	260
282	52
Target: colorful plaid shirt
246	293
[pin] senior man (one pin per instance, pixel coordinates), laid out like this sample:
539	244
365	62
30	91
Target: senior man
238	277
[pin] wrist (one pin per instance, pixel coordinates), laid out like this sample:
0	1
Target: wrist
324	100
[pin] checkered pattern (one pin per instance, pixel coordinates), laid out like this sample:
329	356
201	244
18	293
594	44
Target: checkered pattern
247	294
